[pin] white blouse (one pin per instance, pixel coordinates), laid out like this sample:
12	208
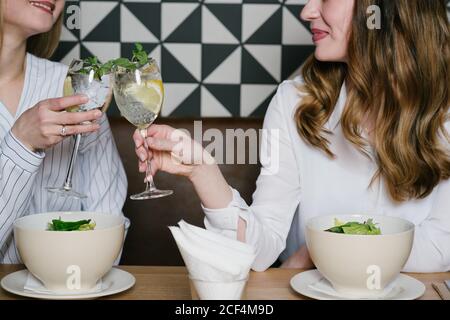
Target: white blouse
308	184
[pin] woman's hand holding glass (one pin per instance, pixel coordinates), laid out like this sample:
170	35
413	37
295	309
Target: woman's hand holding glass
170	150
46	124
174	152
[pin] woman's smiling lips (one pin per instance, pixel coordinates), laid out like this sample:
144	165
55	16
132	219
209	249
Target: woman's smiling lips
44	5
318	34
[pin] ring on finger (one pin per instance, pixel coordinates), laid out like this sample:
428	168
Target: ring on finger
63	131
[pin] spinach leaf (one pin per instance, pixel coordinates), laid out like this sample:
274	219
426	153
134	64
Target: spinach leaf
353	227
81	225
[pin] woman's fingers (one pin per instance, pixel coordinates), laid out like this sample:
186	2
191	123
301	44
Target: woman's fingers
154	168
142	166
142	153
143	156
76	129
138	140
60	104
161	144
76	117
160	130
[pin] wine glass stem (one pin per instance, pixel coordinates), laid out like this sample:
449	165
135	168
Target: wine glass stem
150	184
68	182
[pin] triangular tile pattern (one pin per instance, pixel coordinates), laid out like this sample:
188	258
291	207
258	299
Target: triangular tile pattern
270	31
214	31
230	15
268	56
173	15
176	95
217	57
290	56
100	20
135	27
190	30
213	55
260	111
211	106
188	55
255	16
295	10
173	70
105	51
253	71
190	107
67	51
67	35
299	33
228	95
253	97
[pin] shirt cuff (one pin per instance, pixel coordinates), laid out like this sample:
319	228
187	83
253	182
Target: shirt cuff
227	218
16	151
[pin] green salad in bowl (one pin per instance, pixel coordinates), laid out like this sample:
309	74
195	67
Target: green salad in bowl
368	227
346	250
49	250
60	225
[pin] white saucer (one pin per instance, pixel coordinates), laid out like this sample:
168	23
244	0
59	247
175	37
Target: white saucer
115	281
412	288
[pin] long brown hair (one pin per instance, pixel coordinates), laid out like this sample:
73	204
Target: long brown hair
398	76
42	45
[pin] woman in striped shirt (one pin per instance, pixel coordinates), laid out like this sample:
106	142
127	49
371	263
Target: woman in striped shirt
34	147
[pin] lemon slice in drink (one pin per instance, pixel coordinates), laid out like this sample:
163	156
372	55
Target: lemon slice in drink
149	93
68	91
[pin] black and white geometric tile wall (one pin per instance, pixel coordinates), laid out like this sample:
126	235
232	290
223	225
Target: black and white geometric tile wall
217	57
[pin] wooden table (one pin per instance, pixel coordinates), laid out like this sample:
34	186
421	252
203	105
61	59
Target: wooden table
171	283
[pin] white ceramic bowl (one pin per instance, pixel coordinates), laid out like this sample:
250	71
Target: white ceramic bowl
69	260
360	265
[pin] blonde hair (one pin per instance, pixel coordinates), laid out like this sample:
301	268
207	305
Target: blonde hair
399	77
42	45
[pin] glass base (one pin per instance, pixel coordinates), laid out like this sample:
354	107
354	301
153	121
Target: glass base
151	194
66	192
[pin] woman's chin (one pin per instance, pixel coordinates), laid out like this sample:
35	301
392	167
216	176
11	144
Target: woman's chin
40	27
324	55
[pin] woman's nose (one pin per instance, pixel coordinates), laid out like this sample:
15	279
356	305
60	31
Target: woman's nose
311	10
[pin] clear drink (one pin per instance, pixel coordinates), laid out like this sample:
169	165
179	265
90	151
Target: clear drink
99	92
139	96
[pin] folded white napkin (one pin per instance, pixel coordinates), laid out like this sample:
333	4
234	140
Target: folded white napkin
210	256
33	284
324	286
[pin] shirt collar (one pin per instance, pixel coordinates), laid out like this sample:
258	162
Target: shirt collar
335	117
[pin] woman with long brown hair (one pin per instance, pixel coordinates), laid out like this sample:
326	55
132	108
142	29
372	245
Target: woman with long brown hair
34	128
365	129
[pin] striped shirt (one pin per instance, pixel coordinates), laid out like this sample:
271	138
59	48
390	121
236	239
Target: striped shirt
24	175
